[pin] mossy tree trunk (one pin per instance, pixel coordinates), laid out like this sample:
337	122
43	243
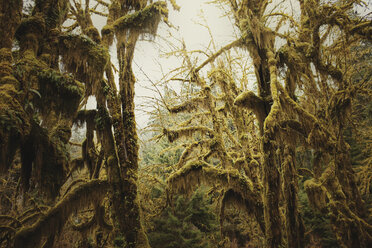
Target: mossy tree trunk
129	219
293	221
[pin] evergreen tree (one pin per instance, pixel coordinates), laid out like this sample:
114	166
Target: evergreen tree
189	223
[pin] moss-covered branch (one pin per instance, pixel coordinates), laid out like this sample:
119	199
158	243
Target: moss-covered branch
59	92
235	43
84	58
188	106
145	20
197	172
54	219
173	135
251	101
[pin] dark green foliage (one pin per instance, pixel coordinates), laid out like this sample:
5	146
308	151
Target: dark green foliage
235	227
190	223
317	223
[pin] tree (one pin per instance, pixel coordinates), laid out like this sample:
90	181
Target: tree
305	90
187	224
48	71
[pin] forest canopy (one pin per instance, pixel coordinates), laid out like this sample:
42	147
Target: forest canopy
264	141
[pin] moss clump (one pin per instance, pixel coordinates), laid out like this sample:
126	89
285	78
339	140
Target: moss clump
11	111
86	116
173	135
5	62
249	100
316	194
85	58
102	119
14	124
93	33
5	55
188	106
53	220
108	33
60	92
33	25
44	158
143	21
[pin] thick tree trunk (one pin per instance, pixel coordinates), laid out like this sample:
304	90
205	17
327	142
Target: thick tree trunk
129	220
293	222
271	187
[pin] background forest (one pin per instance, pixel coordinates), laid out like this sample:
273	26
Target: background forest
264	141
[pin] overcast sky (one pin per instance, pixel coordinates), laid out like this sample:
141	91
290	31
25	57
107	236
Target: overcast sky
149	64
148	56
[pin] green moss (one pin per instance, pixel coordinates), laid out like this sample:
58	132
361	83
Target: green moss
107	33
33	25
60	92
102	119
86	59
93	33
85	116
5	55
55	218
145	20
315	194
12	115
248	99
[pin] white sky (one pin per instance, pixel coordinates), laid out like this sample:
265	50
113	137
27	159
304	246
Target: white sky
148	55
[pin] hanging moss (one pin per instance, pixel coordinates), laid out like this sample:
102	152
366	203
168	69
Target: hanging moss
188	106
235	199
86	116
55	11
85	59
316	194
173	135
143	21
32	25
14	124
53	220
249	100
197	172
45	157
339	107
59	92
108	33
